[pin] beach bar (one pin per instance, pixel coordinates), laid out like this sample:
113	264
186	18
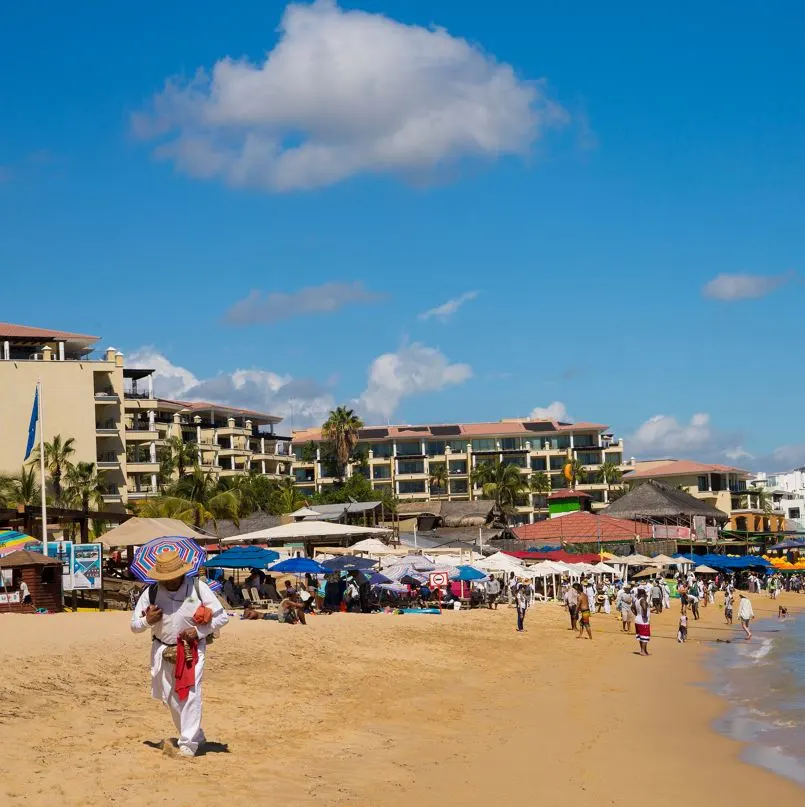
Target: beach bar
41	574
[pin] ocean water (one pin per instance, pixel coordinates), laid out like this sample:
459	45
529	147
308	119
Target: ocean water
764	680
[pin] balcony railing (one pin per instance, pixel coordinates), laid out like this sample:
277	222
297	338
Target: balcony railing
138	395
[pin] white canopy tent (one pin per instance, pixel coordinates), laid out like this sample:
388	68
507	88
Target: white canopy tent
138	531
300	530
500	562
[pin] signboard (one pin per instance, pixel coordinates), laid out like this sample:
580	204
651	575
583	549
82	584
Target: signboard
438	579
9	597
87	565
63	551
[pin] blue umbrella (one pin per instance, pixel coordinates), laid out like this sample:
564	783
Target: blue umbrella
243	557
347	564
468	574
299	566
378	579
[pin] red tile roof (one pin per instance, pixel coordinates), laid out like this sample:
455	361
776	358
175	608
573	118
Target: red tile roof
200	406
568	494
11	331
682	468
559	554
583	527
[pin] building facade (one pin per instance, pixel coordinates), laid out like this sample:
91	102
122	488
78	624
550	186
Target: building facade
115	419
402	460
722	486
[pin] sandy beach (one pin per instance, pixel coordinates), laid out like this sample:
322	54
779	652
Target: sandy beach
376	710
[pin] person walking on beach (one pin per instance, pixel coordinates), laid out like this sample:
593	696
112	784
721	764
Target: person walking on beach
181	613
624	604
521	601
745	614
666	595
642	614
584	612
572	602
728	606
656	597
682	633
693	601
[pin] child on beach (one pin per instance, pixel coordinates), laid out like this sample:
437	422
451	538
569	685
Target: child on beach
682	633
728	609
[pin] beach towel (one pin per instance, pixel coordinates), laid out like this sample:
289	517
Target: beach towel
184	672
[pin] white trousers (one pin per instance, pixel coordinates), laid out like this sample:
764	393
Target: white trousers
186	714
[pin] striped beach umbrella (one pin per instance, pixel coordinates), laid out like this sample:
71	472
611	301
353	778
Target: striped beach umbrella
145	557
11	541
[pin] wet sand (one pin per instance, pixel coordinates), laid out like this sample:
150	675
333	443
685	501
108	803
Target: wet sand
376	710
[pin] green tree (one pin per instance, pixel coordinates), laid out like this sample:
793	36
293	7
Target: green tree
165	472
308	452
610	475
341	431
438	479
285	498
84	486
20	489
540	483
192	513
501	482
183	454
57	461
202	488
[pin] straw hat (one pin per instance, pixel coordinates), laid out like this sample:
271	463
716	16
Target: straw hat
168	566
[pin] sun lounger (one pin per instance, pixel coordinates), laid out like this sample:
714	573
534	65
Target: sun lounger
257	600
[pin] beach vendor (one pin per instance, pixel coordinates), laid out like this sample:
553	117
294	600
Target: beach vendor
642	614
181	613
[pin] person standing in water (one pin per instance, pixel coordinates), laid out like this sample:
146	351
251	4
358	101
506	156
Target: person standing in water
746	614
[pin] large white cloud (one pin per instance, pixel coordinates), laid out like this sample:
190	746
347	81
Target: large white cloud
344	93
554	411
413	369
729	288
300	401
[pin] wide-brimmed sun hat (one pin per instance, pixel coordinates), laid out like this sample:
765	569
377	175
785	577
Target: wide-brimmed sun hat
168	566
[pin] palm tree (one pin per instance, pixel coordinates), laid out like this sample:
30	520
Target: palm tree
165	472
341	431
286	498
577	471
438	478
57	462
503	483
183	454
540	483
192	513
203	488
245	489
610	475
8	490
84	486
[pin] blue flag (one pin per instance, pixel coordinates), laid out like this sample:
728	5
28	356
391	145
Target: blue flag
32	426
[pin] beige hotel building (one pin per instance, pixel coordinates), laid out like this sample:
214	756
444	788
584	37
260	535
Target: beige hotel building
115	419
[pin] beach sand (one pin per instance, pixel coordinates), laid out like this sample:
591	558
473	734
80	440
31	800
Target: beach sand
376	710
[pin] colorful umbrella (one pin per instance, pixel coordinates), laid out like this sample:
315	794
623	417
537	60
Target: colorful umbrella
145	557
11	541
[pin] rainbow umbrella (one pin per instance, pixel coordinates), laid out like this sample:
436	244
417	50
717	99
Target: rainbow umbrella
11	541
145	557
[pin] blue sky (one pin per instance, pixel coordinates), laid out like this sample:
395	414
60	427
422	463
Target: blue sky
615	193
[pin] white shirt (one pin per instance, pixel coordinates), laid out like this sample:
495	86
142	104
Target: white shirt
745	610
24	592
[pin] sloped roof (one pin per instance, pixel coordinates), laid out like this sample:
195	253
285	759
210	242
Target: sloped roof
568	493
24	558
252	523
11	331
655	499
682	468
453	514
581	527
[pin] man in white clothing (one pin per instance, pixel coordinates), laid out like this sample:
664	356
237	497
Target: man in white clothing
746	614
181	614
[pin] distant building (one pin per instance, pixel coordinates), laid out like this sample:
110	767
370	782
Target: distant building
402	459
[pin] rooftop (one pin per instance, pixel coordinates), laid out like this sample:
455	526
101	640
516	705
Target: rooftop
27	335
206	406
681	468
451	431
579	528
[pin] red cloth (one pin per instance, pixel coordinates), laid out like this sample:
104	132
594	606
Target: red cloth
643	632
185	673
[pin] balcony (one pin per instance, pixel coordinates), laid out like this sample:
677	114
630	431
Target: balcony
139	400
110	494
141	432
233	452
142	492
107	396
108	429
234	471
141	465
108	462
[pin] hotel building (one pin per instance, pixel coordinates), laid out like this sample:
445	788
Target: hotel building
115	419
401	459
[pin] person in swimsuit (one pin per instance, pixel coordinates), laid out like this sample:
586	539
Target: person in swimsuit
584	612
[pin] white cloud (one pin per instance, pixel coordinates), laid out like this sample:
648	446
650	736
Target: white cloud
344	93
413	369
446	310
743	287
278	306
554	411
300	401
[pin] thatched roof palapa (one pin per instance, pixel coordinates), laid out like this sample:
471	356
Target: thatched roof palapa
657	500
452	514
24	558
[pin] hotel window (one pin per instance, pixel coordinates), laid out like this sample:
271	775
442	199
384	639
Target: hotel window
539	464
412	486
457	446
458	466
589	457
558	482
435	448
703	484
793	512
382	486
519	462
303	474
614	456
458	486
381	472
512	444
410	467
409	449
486	444
583	440
557	463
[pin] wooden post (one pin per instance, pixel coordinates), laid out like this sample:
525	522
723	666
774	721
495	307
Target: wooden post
85	529
75	601
101	604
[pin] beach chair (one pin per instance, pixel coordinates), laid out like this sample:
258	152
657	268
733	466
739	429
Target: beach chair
257	600
247	600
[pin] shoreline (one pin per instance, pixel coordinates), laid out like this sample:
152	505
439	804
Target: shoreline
377	710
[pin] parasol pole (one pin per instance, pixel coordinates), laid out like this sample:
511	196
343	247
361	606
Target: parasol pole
42	468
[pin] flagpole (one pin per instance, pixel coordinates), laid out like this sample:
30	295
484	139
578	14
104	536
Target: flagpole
42	469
